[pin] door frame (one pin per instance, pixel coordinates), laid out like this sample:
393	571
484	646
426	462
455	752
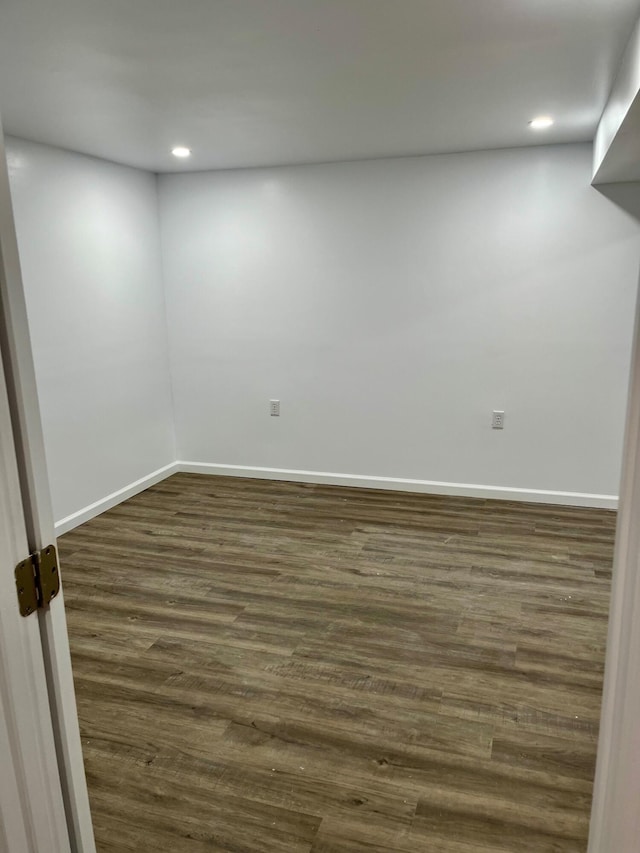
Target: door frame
60	701
615	817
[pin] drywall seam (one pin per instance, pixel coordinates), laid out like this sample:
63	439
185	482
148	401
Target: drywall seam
163	290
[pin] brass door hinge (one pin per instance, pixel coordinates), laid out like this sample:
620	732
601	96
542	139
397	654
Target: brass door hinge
37	580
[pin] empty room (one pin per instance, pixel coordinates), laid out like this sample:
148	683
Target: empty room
319	409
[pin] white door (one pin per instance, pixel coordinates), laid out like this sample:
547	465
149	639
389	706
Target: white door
44	801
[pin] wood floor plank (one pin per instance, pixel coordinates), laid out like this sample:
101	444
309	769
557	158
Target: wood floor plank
270	667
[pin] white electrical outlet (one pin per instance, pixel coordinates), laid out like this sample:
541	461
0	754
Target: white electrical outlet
274	408
497	421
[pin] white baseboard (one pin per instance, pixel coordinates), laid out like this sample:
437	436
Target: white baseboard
433	487
88	512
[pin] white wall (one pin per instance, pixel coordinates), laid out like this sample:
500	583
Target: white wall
391	305
89	246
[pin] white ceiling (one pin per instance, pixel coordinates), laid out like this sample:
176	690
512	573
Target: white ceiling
258	82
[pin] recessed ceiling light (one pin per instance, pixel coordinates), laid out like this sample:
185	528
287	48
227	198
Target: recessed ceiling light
181	151
541	123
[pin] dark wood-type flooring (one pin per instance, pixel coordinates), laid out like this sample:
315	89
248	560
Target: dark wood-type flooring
266	666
